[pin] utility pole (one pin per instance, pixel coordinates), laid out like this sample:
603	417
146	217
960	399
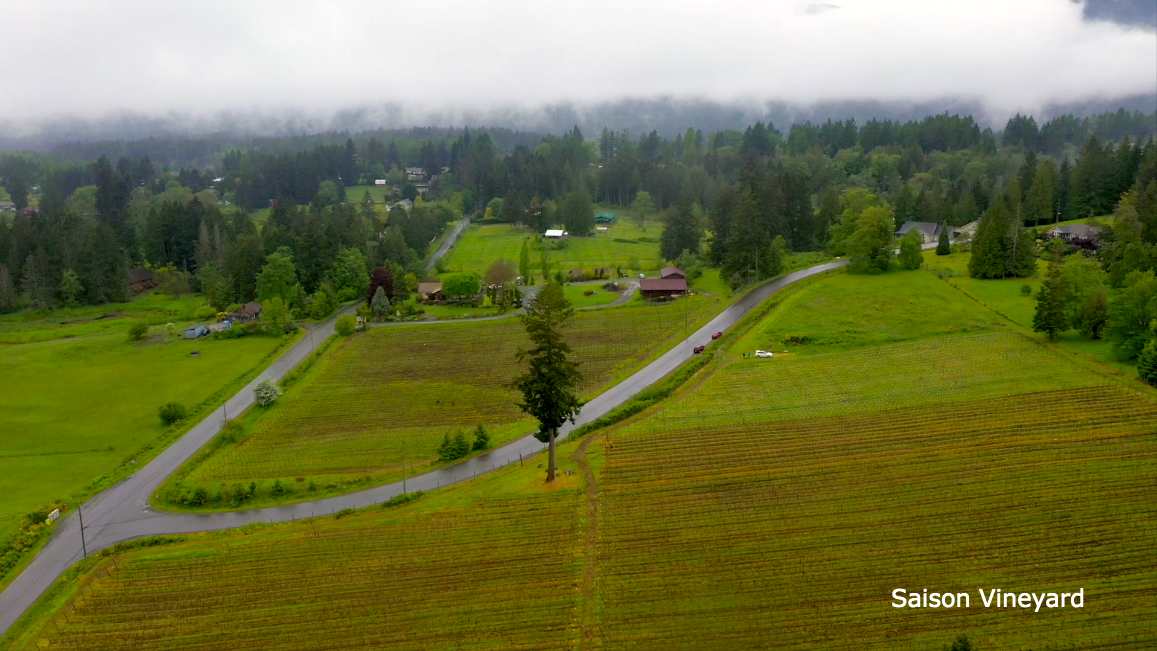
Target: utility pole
80	513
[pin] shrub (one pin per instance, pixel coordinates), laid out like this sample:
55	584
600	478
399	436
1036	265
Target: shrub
138	330
481	438
797	340
266	392
345	325
231	432
398	500
279	489
205	312
1026	289
1147	363
453	448
172	412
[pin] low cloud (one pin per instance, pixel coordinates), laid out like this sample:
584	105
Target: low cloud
445	57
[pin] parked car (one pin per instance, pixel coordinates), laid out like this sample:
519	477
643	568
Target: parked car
700	348
717	335
763	353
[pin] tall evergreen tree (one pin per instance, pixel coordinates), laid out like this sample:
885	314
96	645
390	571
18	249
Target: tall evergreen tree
550	384
943	246
1040	202
1051	315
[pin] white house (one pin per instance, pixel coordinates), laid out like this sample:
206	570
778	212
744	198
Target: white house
554	234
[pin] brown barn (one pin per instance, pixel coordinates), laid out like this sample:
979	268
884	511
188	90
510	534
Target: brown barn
141	280
672	272
430	291
662	287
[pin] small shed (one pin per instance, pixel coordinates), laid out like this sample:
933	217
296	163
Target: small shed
605	217
576	273
379	181
195	331
141	280
430	291
601	229
662	287
554	233
672	272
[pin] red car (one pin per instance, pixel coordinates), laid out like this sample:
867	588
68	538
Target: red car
700	348
717	335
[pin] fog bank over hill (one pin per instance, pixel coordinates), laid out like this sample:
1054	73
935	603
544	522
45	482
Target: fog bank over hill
668	116
134	69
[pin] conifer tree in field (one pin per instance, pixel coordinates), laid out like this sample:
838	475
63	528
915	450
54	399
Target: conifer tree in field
943	246
1052	300
1147	361
549	386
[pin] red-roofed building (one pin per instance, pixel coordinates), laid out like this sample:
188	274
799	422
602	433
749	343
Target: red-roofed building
662	287
672	272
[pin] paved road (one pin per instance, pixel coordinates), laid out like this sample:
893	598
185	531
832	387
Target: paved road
448	242
122	512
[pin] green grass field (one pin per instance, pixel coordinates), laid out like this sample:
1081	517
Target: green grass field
72	410
852	310
1006	297
768	503
480	246
29	327
388	396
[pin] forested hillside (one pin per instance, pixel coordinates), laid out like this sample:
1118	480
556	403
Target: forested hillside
754	194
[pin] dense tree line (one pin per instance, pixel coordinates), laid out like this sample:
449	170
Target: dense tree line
757	193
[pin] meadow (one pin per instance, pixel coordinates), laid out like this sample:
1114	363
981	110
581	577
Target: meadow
766	502
1007	298
480	245
74	409
852	310
111	318
387	397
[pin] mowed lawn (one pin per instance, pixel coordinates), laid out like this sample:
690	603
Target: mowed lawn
71	410
387	397
480	246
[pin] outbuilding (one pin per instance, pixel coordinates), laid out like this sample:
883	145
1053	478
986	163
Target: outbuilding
199	330
554	234
430	291
672	272
662	287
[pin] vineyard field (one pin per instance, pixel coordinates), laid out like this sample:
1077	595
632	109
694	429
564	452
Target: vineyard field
388	396
797	531
458	571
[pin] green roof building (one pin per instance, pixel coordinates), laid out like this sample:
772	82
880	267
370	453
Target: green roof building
605	217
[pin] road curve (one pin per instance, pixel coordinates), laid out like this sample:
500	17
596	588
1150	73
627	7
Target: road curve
122	512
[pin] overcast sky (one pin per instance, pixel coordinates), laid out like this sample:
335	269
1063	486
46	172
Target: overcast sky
92	58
